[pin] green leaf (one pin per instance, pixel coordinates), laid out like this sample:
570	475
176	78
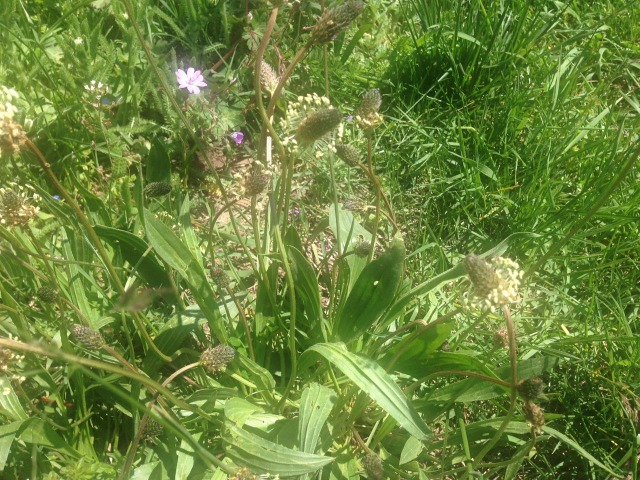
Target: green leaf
410	451
262	456
169	247
420	348
254	372
374	381
190	238
307	287
315	406
424	365
158	164
350	229
7	434
34	430
79	281
475	389
185	460
372	293
134	250
9	403
172	336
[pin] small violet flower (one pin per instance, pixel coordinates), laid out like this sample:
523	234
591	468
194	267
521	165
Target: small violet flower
192	80
249	16
237	137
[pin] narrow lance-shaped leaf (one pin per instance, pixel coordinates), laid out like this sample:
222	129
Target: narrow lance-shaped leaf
262	456
373	380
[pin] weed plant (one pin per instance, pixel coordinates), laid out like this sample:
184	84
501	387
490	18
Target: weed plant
205	209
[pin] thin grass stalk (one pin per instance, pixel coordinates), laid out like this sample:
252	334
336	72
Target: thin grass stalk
334	189
632	155
376	220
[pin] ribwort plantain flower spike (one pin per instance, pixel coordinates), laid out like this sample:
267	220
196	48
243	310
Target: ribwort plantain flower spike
268	77
317	124
534	415
334	21
157	189
367	115
87	336
348	154
531	388
16	209
373	466
495	282
215	359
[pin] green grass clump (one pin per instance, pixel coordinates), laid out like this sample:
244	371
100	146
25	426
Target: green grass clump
383	240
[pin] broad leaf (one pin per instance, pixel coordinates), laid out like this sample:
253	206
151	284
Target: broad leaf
372	293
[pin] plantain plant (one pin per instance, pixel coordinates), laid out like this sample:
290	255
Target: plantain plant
267	329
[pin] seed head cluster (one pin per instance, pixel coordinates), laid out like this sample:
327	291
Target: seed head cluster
268	77
373	466
367	115
348	154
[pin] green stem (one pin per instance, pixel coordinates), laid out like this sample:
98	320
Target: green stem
513	354
292	318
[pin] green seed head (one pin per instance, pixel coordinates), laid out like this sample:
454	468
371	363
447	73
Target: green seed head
334	21
47	294
531	388
87	336
157	189
347	154
373	466
219	276
317	124
370	103
256	183
217	358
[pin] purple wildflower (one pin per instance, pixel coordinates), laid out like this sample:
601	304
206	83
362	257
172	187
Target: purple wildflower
192	80
237	137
